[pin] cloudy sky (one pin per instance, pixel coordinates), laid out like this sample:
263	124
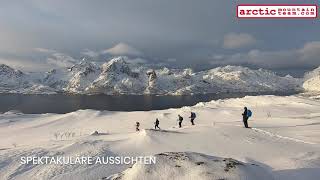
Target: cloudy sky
37	35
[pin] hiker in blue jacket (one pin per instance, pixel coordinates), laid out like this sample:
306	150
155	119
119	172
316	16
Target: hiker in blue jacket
245	117
192	117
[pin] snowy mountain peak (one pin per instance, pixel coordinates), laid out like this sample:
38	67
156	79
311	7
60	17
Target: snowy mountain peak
119	65
312	81
9	72
116	64
84	67
240	70
12	79
52	71
313	73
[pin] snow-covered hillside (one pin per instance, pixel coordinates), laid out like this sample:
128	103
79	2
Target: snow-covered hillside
117	76
189	165
312	82
283	143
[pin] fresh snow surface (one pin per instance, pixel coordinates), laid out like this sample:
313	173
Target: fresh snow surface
282	144
118	76
189	166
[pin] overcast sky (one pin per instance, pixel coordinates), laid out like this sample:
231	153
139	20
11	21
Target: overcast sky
38	35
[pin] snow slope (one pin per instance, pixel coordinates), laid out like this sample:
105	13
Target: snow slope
117	76
312	82
187	165
282	144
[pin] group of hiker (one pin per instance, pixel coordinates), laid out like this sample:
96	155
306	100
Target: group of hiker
245	116
180	119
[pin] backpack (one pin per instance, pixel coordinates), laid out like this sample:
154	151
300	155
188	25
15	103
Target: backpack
249	113
193	115
180	118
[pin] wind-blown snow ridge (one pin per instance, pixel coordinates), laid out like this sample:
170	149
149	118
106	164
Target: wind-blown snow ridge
190	165
118	76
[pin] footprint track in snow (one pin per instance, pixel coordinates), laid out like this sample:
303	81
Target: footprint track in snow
281	137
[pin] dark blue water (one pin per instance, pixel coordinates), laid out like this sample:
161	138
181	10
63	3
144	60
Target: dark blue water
62	103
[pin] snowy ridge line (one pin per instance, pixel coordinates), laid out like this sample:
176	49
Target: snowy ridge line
119	76
282	137
312	81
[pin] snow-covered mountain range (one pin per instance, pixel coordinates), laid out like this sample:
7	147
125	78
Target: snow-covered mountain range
118	76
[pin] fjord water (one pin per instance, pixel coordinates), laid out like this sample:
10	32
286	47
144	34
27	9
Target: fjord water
63	103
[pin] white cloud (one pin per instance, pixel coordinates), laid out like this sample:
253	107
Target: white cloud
26	65
123	49
49	59
307	56
61	60
217	57
90	53
310	51
56	59
234	41
137	61
171	60
44	50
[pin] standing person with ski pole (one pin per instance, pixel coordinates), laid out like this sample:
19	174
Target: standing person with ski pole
245	116
180	119
192	117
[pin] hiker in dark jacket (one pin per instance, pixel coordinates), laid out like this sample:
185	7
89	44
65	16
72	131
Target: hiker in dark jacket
180	119
137	126
192	117
156	124
245	117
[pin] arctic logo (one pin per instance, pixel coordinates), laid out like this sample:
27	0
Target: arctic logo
277	11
